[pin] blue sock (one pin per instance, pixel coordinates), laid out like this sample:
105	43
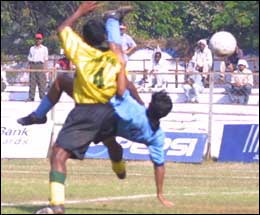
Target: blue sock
44	107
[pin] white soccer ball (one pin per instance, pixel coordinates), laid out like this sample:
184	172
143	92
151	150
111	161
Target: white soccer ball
223	43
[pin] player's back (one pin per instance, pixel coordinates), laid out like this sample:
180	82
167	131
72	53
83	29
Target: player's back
133	123
96	70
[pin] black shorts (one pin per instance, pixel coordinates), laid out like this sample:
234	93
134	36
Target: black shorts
86	123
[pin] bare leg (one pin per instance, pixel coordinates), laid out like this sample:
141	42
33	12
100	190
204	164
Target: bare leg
57	177
63	82
115	152
58	159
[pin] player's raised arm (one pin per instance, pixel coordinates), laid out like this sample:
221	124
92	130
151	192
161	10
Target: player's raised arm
159	172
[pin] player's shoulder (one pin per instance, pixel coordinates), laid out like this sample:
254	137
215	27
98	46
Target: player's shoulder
108	53
66	29
134	104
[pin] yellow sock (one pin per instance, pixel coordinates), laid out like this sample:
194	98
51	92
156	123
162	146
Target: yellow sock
118	167
57	190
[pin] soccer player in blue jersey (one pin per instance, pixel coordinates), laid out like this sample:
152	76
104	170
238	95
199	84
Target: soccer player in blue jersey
136	123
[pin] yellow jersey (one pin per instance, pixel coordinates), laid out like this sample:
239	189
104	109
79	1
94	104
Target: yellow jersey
96	71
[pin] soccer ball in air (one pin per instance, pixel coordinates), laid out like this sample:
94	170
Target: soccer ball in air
223	43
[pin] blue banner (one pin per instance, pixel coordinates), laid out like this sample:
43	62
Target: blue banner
178	147
240	143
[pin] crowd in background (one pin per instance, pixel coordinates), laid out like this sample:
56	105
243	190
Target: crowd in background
235	76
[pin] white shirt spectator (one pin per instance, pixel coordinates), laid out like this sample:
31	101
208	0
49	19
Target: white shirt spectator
38	54
239	77
241	83
128	44
244	76
158	66
203	58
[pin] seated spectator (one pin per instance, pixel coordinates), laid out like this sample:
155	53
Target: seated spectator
241	84
141	84
3	79
229	64
158	66
193	85
3	85
203	60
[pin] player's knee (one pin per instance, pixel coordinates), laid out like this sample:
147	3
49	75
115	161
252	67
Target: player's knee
59	155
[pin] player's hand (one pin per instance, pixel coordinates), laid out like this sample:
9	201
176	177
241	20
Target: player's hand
87	7
165	202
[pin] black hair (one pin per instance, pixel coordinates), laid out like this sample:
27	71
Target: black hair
156	53
94	33
160	106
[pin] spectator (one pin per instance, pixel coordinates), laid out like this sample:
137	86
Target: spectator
229	65
158	66
203	60
3	85
3	79
128	44
232	60
193	85
38	58
241	83
142	82
63	63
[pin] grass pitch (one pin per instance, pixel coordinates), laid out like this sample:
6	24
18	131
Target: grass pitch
92	188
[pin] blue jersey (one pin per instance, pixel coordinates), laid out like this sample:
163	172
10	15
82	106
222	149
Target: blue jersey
133	124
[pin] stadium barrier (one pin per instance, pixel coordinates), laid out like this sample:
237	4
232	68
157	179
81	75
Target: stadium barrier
25	141
179	147
240	143
185	117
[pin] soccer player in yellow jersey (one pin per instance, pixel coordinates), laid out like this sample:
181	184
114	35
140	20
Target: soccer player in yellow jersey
95	83
92	118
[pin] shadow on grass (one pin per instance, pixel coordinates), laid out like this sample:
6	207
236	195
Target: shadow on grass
93	210
70	210
19	209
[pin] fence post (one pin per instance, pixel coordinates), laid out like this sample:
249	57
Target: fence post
211	87
176	74
54	75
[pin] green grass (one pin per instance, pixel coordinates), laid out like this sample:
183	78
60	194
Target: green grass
207	188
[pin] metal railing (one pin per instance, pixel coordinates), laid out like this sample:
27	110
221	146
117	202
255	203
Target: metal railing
175	72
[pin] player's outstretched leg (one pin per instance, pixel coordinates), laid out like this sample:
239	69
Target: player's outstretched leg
115	152
63	83
119	13
31	119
